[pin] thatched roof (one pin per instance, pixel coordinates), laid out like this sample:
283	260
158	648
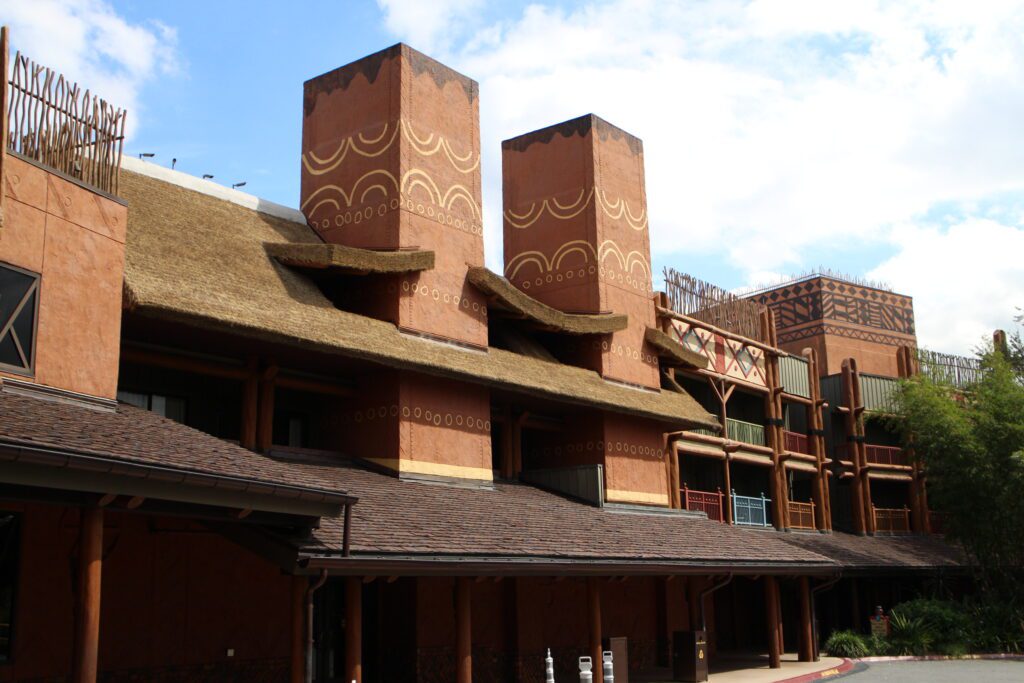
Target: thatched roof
509	298
201	261
350	259
671	352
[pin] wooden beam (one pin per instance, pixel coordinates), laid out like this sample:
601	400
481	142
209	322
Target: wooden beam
353	629
134	502
199	366
90	575
463	630
771	603
298	653
806	621
314	386
594	617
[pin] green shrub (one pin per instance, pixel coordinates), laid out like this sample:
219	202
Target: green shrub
910	635
936	625
878	646
846	644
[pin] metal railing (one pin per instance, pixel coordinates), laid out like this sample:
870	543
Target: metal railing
885	455
801	515
747	432
892	520
710	503
750	511
797	443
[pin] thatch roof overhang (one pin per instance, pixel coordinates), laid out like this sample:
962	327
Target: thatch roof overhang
511	301
671	352
350	260
198	260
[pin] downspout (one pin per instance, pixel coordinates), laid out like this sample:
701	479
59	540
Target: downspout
309	621
708	591
814	611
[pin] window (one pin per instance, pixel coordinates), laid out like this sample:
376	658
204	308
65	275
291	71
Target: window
19	302
8	576
168	406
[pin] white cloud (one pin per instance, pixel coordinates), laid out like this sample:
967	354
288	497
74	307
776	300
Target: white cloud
776	127
88	42
426	24
966	281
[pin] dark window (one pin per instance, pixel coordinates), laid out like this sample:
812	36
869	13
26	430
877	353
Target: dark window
19	299
8	577
170	407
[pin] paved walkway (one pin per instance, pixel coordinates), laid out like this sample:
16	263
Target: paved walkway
958	671
730	668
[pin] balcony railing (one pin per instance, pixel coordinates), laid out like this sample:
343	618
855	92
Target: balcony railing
885	455
797	443
747	432
892	520
710	503
801	515
750	511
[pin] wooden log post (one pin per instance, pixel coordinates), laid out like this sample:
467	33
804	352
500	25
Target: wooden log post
816	439
250	406
265	428
849	379
594	616
353	629
771	602
298	653
463	630
90	579
806	621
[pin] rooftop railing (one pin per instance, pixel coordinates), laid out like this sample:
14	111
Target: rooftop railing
947	368
713	305
801	515
52	121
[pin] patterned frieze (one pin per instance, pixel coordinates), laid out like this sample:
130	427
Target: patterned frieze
724	356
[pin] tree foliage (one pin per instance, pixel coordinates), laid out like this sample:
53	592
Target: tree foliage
971	442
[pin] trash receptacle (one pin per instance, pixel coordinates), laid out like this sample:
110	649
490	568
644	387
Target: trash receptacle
689	656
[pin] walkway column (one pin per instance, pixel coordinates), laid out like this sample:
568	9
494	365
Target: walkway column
90	574
806	622
353	629
298	663
594	616
693	586
771	603
463	631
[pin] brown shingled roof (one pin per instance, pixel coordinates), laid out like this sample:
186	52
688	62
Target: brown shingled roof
63	433
509	298
519	524
871	553
201	261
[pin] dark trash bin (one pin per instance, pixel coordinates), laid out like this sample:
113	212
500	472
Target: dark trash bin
690	656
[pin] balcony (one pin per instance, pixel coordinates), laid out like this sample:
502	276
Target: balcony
797	443
801	515
710	503
891	520
747	432
750	510
885	455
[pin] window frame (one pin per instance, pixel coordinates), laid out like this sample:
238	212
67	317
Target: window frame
28	370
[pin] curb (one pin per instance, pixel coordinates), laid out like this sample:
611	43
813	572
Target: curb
942	658
845	666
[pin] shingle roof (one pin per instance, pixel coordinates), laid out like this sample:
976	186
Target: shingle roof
201	260
139	437
881	552
518	522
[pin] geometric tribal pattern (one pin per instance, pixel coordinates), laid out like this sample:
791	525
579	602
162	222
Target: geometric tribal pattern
841	331
724	356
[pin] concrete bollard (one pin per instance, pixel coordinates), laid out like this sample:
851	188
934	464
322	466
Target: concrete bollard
549	668
606	667
586	675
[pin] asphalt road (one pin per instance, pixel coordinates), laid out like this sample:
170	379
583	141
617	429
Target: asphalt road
967	671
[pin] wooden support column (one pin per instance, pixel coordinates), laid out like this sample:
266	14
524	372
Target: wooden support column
693	588
816	439
463	630
298	654
90	578
806	621
661	638
723	395
250	406
265	428
353	629
771	603
850	386
594	616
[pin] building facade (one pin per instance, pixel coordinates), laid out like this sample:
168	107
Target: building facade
242	441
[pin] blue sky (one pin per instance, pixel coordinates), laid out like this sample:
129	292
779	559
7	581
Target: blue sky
881	139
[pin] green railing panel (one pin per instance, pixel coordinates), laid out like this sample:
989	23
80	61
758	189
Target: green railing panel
793	372
877	393
747	432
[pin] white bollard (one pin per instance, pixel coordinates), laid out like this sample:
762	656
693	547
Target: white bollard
549	668
586	675
606	667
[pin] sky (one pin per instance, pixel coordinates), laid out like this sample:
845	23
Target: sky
881	139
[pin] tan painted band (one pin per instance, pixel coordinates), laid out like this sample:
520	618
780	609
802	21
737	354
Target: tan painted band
435	469
616	496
